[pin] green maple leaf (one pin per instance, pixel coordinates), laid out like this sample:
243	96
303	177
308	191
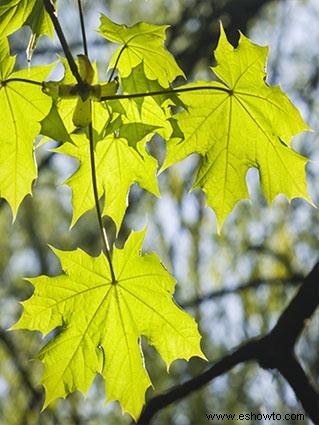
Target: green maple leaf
142	121
102	323
39	21
53	127
137	82
22	108
142	43
118	166
15	13
240	123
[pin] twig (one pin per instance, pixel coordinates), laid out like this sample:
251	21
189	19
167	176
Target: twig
84	40
58	29
272	351
254	284
154	405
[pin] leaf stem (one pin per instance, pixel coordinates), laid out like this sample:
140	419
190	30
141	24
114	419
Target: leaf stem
169	91
58	29
21	80
84	39
105	241
116	63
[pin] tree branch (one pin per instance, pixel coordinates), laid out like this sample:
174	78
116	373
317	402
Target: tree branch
304	390
272	351
254	284
84	39
293	320
154	405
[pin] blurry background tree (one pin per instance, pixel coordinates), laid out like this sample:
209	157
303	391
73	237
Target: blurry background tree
236	284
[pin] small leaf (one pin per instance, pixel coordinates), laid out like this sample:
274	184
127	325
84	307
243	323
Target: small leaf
135	132
73	111
142	122
39	21
102	320
82	115
141	43
53	128
137	82
118	166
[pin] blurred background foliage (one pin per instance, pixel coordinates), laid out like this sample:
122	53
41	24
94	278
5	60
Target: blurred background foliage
235	283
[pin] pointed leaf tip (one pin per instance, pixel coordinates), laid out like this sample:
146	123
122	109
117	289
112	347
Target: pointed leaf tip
92	312
240	128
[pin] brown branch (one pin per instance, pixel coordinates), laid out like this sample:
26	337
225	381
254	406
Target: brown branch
304	390
254	284
272	351
293	320
154	405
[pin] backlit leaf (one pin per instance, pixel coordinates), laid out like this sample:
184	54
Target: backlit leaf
142	43
102	322
237	124
22	107
16	13
118	166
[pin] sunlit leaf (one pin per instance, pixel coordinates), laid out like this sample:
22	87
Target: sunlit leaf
118	166
16	13
22	107
239	123
102	322
142	43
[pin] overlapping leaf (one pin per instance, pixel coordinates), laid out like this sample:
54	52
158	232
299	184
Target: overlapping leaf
118	166
102	322
142	122
137	82
15	13
142	43
22	107
61	123
240	123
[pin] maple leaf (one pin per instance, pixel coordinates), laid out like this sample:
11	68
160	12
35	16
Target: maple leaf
137	82
141	43
53	127
16	13
102	323
118	167
140	122
22	107
240	123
